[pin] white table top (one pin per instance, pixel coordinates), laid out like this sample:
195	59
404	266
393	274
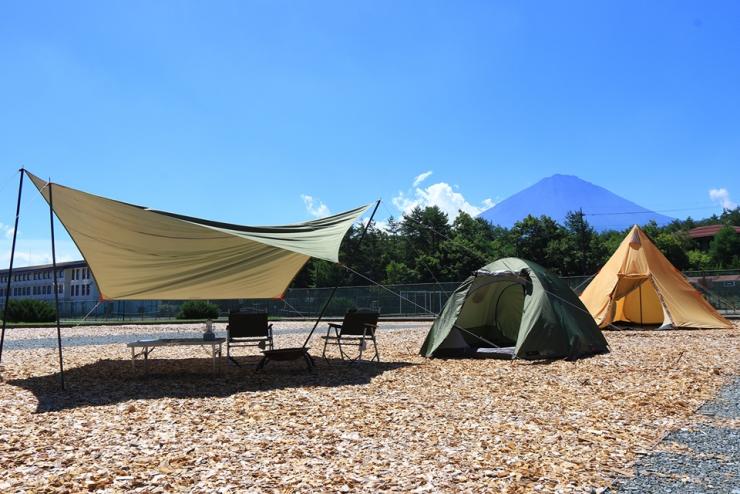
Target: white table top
175	342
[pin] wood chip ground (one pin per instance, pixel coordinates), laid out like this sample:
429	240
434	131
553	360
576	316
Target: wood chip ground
408	424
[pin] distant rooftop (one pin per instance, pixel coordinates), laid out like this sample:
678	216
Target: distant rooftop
60	265
708	231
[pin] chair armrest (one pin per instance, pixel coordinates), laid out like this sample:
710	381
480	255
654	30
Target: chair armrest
269	326
334	325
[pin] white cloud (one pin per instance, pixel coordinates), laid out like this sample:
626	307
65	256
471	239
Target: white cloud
30	252
6	230
315	207
722	197
441	195
421	177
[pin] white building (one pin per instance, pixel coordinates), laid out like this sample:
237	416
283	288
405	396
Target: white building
78	292
75	282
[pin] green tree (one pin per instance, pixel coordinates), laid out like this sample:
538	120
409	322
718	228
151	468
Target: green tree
580	250
699	260
730	217
536	239
725	248
397	273
426	228
675	247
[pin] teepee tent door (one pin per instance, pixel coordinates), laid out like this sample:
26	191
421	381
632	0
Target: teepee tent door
641	305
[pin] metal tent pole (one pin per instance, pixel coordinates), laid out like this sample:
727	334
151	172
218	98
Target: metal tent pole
10	269
331	295
56	288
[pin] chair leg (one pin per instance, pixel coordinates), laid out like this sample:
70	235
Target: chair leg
341	350
323	353
377	354
229	357
309	363
313	362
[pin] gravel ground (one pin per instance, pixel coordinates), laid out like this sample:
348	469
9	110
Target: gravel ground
408	424
702	459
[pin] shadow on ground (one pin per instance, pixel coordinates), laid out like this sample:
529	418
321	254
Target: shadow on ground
108	382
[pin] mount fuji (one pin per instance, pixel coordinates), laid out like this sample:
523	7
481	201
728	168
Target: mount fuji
557	195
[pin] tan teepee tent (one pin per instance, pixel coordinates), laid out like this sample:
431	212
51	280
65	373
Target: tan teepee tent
639	285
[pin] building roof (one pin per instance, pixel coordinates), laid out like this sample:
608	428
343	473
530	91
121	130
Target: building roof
60	265
708	231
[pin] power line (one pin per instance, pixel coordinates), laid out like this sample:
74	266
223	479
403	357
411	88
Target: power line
650	212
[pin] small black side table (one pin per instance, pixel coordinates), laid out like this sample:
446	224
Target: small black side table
285	354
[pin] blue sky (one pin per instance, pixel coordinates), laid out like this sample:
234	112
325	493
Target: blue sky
238	110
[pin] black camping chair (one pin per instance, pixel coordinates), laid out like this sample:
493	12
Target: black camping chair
247	329
357	327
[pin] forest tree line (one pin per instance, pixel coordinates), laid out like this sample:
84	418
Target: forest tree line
424	247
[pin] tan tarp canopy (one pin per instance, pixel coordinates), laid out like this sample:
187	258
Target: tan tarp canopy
639	285
137	253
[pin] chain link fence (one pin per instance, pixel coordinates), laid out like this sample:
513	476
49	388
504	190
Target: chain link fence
720	288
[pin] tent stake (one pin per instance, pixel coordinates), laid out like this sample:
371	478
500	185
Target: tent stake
331	295
10	269
56	287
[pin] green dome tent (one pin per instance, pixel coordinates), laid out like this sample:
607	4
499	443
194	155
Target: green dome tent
515	309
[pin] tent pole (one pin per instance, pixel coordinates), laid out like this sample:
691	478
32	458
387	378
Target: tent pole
475	336
331	295
10	268
56	287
